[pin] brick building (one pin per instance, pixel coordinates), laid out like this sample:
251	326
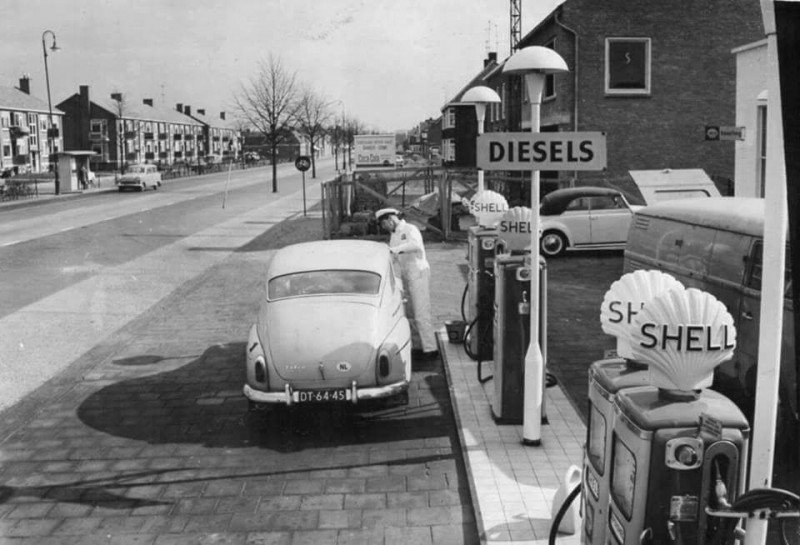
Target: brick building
650	74
122	130
24	124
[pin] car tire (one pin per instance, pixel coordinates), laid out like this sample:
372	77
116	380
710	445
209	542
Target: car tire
553	244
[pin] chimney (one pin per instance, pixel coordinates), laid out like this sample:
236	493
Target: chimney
179	107
201	111
490	59
116	96
85	109
222	115
25	84
187	110
147	102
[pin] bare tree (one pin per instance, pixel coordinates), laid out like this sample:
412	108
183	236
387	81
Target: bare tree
270	102
312	118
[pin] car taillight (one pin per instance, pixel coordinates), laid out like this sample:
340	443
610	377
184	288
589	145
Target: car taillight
383	365
260	368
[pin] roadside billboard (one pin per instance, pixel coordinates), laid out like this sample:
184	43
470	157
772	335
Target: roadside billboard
374	150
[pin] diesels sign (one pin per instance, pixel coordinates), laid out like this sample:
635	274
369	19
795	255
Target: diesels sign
542	151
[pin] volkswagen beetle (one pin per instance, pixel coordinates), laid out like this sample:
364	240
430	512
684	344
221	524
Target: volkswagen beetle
331	327
584	218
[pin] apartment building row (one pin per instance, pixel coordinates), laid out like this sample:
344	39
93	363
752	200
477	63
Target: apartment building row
121	130
653	76
118	129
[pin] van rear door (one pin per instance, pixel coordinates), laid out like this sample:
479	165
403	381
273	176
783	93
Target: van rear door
668	184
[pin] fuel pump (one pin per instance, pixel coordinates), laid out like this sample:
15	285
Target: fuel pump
621	304
512	315
479	340
677	448
488	207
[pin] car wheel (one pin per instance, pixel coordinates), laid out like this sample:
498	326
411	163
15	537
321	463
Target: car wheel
553	244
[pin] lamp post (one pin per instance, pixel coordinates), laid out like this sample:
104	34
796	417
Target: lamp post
534	63
480	96
51	129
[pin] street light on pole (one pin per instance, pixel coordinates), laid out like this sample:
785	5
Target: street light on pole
480	96
51	130
534	63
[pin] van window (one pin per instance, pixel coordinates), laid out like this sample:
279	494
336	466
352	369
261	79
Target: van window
756	270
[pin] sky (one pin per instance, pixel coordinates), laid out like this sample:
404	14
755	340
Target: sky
388	63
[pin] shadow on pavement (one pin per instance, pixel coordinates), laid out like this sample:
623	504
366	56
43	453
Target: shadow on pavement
202	403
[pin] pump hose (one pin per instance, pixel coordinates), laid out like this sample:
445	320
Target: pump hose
561	512
774	499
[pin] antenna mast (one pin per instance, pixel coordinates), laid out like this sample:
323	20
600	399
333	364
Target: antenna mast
516	23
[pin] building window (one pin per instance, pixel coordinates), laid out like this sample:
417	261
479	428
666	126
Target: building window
6	150
98	128
761	173
628	66
549	90
4	120
448	150
449	119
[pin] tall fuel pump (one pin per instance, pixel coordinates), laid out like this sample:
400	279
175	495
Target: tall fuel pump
481	242
488	207
621	304
677	448
512	308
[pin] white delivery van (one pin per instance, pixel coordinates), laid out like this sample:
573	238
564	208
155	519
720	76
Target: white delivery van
716	245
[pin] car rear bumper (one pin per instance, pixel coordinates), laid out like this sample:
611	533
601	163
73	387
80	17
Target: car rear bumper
288	397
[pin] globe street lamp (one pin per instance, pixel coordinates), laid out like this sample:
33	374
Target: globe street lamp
480	96
51	130
534	63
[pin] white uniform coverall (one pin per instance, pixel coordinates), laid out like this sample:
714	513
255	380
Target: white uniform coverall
406	243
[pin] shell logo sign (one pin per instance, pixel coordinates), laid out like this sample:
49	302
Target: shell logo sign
514	228
681	334
625	299
487	206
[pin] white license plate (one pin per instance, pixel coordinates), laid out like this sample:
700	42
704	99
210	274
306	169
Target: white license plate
320	396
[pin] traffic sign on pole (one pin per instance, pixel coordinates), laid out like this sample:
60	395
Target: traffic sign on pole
542	151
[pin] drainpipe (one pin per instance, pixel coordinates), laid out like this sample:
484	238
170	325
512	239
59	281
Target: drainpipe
576	66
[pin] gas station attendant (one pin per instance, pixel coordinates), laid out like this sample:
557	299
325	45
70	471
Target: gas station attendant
409	251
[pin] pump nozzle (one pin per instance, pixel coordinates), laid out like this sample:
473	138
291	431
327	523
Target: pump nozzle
720	490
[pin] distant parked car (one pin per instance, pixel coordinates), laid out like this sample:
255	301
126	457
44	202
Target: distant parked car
331	327
584	218
399	161
140	177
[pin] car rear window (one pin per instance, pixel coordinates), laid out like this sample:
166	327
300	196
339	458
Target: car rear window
324	283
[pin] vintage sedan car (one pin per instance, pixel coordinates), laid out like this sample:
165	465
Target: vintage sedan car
331	327
584	218
140	177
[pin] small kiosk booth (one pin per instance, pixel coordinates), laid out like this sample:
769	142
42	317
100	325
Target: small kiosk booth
69	166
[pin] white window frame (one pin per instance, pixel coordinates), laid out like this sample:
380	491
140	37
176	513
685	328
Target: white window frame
646	90
449	118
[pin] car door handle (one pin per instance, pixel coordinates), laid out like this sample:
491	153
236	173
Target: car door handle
747	315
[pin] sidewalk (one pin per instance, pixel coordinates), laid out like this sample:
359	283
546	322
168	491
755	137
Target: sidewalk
512	485
45	192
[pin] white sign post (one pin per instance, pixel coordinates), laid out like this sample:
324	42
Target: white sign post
771	327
